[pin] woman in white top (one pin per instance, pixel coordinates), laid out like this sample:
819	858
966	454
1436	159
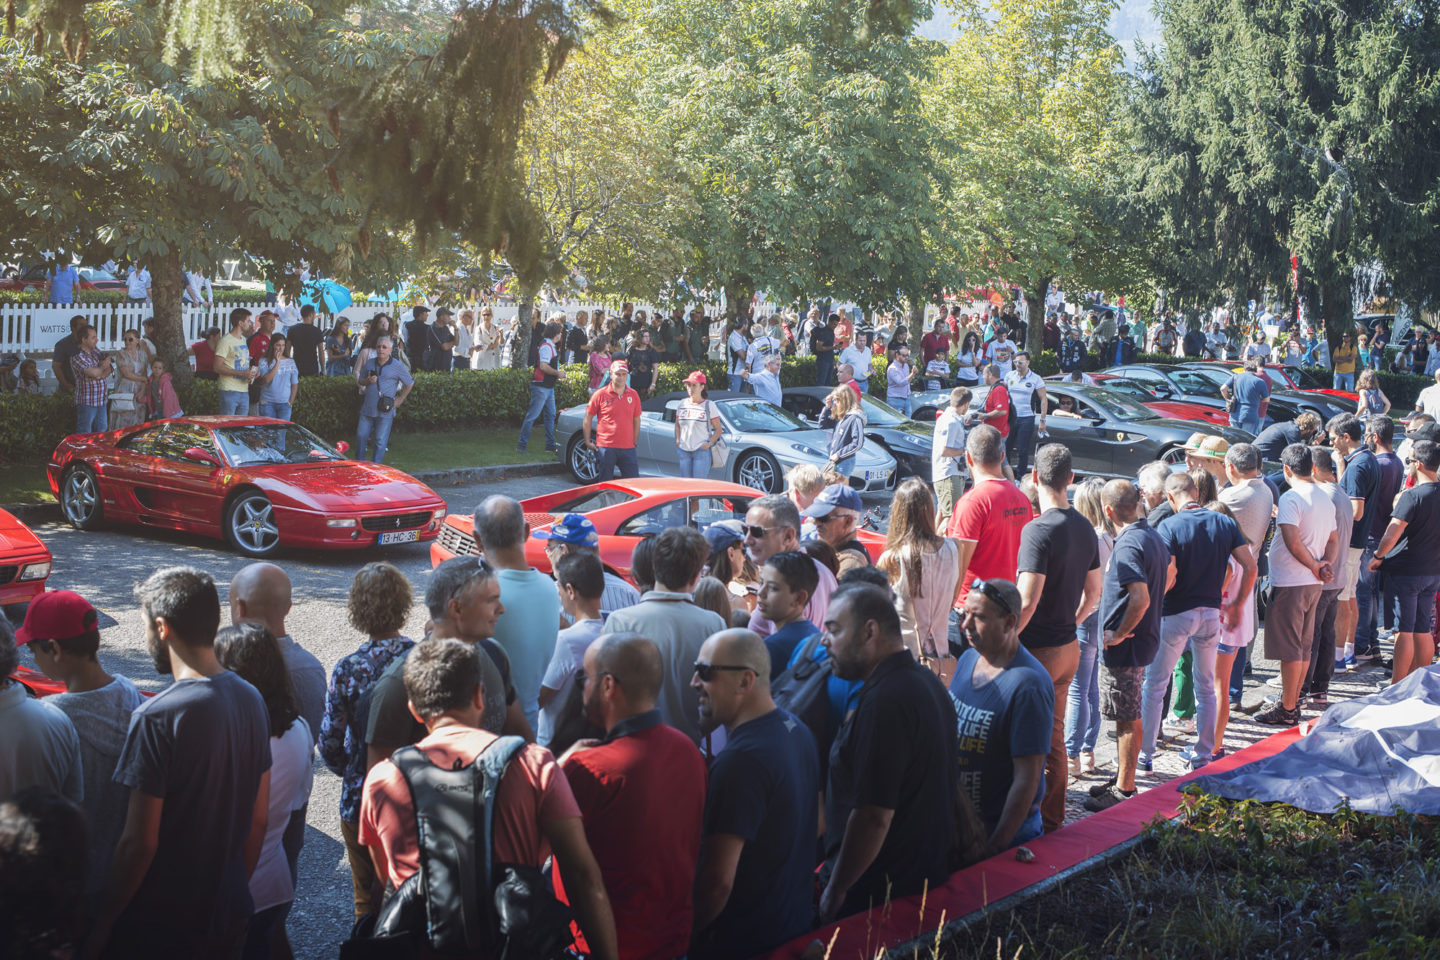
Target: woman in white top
969	361
251	651
697	427
464	348
488	338
924	570
1257	347
1082	708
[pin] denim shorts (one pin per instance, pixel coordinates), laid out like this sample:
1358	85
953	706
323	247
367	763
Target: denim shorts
1415	598
1227	649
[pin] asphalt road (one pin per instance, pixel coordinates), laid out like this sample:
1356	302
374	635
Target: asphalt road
106	565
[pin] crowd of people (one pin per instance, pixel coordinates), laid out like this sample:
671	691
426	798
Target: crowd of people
779	723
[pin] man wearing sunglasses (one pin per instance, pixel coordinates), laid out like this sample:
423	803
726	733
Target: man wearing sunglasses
772	525
755	880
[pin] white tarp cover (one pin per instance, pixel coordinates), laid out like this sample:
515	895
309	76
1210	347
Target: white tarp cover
1381	752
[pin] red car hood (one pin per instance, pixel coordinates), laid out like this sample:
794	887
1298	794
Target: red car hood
343	485
16	538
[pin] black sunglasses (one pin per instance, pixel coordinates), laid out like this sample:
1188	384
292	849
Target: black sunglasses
992	594
758	532
706	671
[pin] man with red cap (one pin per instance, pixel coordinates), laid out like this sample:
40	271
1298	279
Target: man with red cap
63	632
615	409
40	747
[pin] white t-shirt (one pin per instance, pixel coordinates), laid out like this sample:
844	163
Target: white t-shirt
694	421
1253	349
859	359
565	663
759	349
936	372
739	348
1309	509
949	432
1022	391
1429	400
290	781
137	283
1002	354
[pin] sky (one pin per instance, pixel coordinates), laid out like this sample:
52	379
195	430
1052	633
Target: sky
1134	19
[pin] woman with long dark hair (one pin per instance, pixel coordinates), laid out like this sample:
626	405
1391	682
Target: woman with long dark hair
924	569
338	348
968	361
251	651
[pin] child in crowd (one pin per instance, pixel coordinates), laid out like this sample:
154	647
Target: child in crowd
29	378
937	371
159	395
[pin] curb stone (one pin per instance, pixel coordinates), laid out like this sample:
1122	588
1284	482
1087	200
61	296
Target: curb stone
47	512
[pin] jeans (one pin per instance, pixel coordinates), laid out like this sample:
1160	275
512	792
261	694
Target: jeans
864	385
276	411
90	419
608	458
824	369
844	467
376	429
900	403
1368	599
737	383
234	403
1019	444
695	463
542	402
1082	707
1201	629
1250	426
1344	381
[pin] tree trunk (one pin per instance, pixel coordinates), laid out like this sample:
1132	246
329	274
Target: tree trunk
520	352
737	299
916	319
1336	306
1035	323
167	291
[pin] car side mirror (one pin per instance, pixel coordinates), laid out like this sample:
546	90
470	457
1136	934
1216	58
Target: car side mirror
201	456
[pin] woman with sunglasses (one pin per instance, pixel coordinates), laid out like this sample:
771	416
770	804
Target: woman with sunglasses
1344	361
133	366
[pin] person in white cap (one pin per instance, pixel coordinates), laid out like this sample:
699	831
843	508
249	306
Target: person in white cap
697	428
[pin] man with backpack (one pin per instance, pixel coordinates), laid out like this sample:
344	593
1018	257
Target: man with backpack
529	809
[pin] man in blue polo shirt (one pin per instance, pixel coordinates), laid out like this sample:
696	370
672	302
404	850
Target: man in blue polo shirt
1201	543
1130	612
1250	394
386	383
62	283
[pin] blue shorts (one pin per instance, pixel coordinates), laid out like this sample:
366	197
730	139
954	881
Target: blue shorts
1226	648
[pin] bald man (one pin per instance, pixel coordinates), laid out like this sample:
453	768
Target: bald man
260	593
762	811
641	791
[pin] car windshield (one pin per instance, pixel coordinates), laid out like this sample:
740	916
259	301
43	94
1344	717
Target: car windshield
273	443
757	416
593	500
1121	408
1202	381
95	273
879	414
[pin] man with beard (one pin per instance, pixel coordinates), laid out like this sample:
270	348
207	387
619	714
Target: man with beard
197	763
641	793
890	809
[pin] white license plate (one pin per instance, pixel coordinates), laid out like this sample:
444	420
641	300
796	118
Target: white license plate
877	474
400	536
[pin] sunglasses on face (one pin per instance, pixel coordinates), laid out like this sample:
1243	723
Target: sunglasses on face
706	671
758	533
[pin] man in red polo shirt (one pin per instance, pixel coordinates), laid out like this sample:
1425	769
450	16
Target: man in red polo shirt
641	792
989	518
997	403
615	408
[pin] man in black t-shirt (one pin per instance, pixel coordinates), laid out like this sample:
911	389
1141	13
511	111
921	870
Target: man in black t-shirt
1407	555
890	809
305	342
822	345
755	878
1360	478
417	337
1059	580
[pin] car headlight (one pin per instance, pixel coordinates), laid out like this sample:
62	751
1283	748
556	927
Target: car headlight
802	448
350	522
35	571
440	514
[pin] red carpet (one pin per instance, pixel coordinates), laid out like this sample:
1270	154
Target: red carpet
864	935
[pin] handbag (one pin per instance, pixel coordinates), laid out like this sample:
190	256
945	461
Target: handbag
122	402
719	454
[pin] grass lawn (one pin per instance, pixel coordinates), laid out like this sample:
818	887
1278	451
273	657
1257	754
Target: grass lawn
24	483
470	447
1230	880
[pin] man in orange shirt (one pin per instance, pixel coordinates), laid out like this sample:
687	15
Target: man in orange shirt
843	331
615	408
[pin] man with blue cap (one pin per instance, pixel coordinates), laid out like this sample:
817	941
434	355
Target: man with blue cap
574	533
837	512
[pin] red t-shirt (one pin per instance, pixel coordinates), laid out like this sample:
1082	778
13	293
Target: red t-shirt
842	335
930	344
643	796
533	791
998	399
258	345
992	514
614	415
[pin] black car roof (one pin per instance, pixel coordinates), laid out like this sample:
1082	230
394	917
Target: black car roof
657	403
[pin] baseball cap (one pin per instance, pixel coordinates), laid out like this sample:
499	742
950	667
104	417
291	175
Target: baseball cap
571	528
696	377
835	495
1425	431
444	312
57	615
723	534
619	366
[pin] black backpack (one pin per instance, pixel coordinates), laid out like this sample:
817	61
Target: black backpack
804	690
461	901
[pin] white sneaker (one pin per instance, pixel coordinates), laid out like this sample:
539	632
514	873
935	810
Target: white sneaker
1275	681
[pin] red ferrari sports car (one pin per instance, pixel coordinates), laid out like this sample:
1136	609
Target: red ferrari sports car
624	513
1292	378
261	484
1175	409
24	562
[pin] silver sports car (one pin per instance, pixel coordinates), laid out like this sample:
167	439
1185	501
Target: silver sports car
764	440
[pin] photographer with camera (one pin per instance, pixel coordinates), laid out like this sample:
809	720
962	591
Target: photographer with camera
384	383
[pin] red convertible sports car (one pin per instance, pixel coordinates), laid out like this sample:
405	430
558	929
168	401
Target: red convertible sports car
624	513
1175	409
24	562
261	484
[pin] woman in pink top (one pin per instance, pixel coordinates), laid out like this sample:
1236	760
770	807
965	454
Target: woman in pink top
600	359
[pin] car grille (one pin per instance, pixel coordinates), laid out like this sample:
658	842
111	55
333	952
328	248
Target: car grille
8	574
457	542
395	521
